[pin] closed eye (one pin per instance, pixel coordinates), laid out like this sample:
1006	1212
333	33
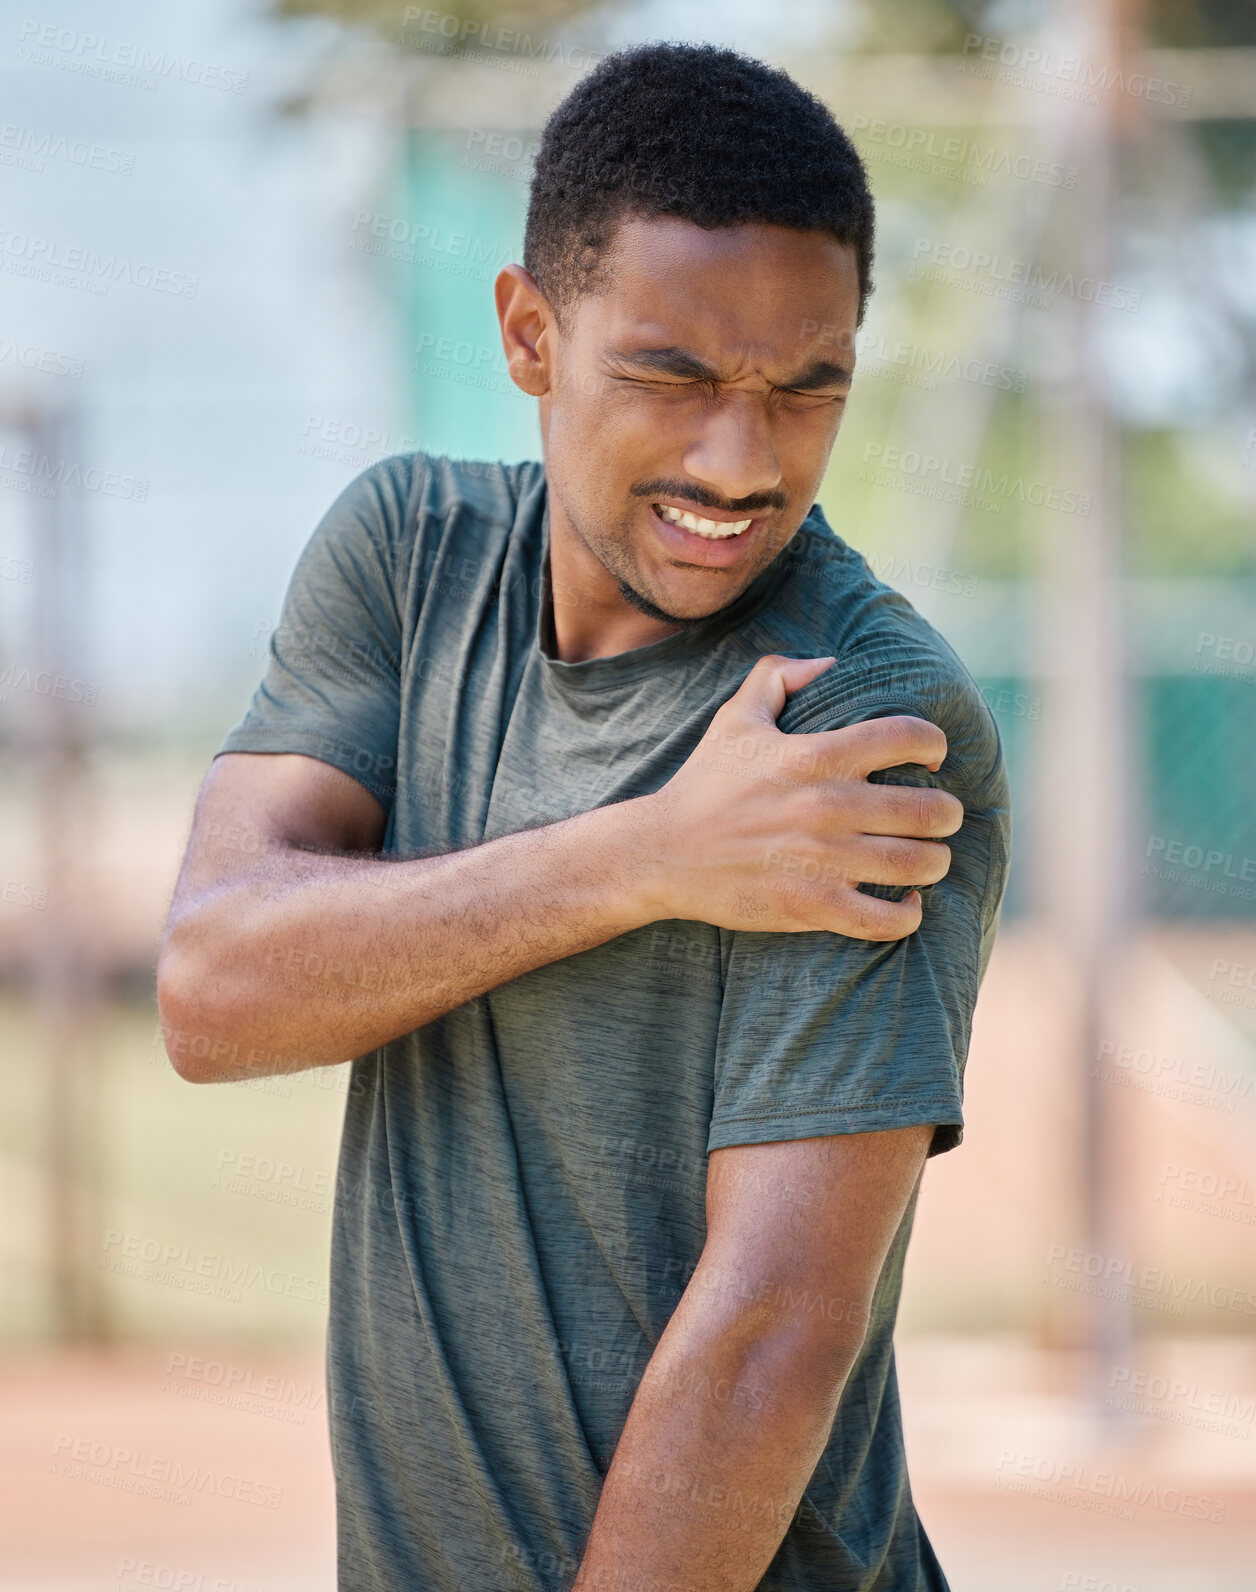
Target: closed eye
808	395
695	384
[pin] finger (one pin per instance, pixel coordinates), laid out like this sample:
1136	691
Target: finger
865	917
879	743
915	811
885	859
763	693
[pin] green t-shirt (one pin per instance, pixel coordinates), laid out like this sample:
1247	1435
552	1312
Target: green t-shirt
520	1195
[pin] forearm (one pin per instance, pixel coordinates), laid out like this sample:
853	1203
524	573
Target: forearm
718	1447
311	959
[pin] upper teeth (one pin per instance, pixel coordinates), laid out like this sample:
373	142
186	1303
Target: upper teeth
701	527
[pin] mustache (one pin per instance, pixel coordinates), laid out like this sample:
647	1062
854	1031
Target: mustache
691	492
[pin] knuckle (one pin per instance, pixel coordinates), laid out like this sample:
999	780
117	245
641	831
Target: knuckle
913	737
842	855
890	920
855	742
928	743
795	756
940	812
872	918
818	806
882	735
906	736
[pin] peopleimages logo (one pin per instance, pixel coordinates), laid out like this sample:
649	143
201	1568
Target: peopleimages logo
170	1578
1235	650
47	44
30	356
176	1265
930	364
976	479
129	1470
16	677
1180	1403
965	155
30	470
1008	271
469	34
1117	1272
1066	1482
1201	1083
72	265
30	149
1022	63
374	232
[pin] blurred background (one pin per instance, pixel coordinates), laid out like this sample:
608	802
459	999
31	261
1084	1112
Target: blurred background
248	249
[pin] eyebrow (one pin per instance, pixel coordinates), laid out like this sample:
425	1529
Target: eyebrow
680	362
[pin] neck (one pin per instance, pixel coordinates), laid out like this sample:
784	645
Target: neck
591	618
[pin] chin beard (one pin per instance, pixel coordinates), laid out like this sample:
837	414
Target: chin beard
643	605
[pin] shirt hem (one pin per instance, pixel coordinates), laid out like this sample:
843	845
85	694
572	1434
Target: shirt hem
309	744
763	1129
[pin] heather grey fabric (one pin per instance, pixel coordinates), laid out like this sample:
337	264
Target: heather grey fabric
520	1200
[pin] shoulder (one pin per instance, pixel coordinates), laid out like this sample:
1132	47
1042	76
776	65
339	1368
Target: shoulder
486	490
406	487
401	513
889	659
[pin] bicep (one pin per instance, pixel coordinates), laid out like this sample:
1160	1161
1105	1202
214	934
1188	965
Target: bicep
795	1221
253	803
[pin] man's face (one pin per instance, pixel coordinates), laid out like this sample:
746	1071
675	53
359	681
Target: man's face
707	378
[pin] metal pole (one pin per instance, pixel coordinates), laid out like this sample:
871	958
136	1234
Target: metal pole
1083	870
63	976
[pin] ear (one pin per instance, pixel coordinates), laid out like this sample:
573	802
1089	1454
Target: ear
527	326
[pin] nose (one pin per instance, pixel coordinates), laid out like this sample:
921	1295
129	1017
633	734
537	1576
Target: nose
733	453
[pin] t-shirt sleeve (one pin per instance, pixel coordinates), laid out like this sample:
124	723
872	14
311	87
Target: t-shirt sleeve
822	1034
332	684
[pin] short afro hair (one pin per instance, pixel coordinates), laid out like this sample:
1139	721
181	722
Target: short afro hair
695	131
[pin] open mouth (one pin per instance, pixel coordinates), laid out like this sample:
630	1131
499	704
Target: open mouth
713	530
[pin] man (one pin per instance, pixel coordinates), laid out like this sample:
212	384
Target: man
559	790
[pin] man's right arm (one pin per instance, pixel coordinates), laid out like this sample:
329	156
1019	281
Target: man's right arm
290	944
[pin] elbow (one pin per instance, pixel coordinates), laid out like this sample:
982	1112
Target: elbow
815	1356
835	1356
792	1363
192	1023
